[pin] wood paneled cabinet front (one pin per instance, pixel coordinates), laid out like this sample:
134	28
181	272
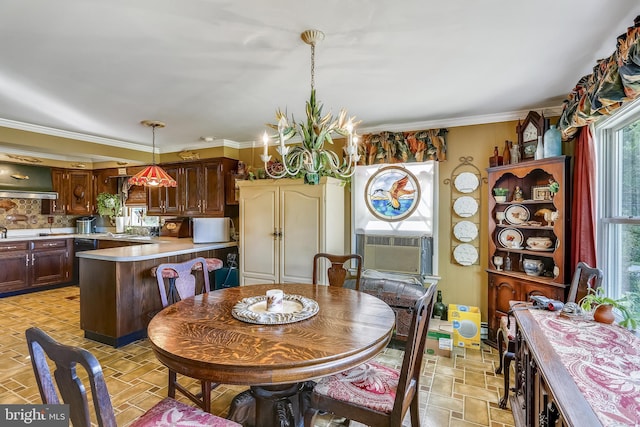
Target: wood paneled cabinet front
504	288
200	190
51	262
75	193
283	224
165	200
30	263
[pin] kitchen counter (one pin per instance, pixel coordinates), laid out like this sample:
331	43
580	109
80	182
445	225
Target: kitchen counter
118	294
152	249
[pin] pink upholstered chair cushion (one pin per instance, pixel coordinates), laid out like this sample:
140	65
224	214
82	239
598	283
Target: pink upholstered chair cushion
167	273
169	412
371	385
212	264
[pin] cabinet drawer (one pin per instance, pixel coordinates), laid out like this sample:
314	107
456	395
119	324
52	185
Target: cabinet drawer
14	246
48	244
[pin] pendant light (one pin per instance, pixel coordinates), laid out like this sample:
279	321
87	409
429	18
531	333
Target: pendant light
153	176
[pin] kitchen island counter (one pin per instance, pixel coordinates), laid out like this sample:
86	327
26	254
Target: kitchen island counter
118	294
152	249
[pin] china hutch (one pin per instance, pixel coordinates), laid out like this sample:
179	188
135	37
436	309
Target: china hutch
530	227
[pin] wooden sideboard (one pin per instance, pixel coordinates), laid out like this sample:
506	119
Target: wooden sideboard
572	372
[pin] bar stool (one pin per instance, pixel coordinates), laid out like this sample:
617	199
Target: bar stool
171	275
213	264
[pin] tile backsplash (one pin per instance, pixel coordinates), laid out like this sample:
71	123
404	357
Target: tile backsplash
26	215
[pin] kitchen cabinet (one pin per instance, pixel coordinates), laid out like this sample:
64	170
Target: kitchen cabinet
57	206
75	193
165	200
14	266
51	262
521	220
137	194
200	190
203	186
105	181
26	264
283	224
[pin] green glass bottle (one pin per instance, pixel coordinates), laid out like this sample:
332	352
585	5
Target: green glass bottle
439	309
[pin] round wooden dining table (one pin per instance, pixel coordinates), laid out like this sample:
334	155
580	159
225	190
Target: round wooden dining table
200	338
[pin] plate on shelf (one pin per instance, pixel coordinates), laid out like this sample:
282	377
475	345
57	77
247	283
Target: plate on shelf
465	206
465	254
511	238
517	214
529	248
254	310
466	182
465	231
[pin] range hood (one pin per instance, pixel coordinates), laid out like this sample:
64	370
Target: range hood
18	181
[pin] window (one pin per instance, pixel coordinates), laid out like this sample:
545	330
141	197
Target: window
618	210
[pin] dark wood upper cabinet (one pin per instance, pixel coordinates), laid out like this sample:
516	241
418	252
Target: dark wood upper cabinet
200	190
75	193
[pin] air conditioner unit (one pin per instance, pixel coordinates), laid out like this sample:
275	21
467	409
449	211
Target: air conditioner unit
407	255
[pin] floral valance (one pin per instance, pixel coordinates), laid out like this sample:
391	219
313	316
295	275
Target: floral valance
615	80
403	147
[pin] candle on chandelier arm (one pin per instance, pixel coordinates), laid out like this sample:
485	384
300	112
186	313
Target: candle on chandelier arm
350	130
265	138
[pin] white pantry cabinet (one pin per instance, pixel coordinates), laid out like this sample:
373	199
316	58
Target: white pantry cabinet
283	224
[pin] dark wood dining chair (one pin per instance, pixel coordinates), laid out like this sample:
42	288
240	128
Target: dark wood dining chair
372	393
584	278
182	284
70	387
337	272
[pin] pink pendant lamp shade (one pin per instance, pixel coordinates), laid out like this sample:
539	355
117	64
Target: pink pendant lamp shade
153	176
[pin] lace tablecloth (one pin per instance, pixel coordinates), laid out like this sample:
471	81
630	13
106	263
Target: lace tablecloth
604	361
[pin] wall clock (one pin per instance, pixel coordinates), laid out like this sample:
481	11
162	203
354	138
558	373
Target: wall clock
528	132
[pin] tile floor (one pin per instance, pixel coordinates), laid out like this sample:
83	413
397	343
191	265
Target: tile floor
461	391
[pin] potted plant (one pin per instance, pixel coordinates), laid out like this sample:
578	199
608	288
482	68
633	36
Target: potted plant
110	205
602	307
500	194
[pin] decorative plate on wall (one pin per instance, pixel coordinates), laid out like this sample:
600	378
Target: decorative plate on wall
465	231
392	193
466	182
465	206
465	254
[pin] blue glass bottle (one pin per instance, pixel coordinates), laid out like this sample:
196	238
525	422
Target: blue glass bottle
552	142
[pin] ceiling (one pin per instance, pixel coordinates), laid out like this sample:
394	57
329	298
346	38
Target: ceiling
216	70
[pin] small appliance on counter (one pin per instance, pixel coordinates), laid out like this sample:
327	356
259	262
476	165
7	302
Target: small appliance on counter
211	230
176	227
85	225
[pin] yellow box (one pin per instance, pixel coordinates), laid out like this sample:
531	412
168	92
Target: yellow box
466	325
439	341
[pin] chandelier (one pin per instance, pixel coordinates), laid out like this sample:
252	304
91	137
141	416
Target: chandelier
153	176
310	159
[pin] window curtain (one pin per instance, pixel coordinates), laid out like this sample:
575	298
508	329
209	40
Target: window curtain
615	81
404	147
583	246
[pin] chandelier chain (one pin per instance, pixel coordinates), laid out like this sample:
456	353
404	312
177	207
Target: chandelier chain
313	66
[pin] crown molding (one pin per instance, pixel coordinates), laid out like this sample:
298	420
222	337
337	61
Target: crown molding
396	127
443	123
28	127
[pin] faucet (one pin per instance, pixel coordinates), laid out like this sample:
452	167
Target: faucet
3	232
